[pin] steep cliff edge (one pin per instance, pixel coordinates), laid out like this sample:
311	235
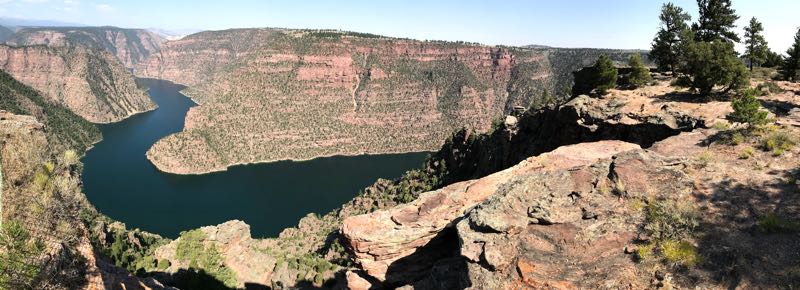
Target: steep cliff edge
45	243
89	82
130	46
273	94
698	209
381	239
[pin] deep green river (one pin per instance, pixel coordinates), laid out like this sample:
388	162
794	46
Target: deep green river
124	185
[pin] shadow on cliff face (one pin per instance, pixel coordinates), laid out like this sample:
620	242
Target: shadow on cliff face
436	265
192	279
66	269
470	156
749	236
199	279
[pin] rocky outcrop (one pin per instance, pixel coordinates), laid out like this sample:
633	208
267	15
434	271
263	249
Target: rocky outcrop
552	223
246	262
381	239
130	46
567	229
237	250
273	94
89	82
641	117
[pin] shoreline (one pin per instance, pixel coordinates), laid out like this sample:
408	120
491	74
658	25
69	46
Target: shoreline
127	116
261	162
155	107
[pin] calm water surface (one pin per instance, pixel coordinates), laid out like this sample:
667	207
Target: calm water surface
123	184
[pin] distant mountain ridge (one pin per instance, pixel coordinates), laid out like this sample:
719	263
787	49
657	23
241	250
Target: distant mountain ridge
173	34
130	46
5	33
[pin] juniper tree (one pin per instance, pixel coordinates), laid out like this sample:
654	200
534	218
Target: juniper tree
747	109
717	21
665	50
710	64
640	74
605	77
756	49
790	70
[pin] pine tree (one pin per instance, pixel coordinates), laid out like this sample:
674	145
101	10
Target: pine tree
640	74
773	59
665	49
708	58
756	48
717	21
791	65
605	74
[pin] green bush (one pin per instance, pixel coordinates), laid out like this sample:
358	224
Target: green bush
669	225
670	220
746	153
646	252
777	142
20	257
131	250
772	224
721	126
705	158
605	77
680	252
737	138
640	74
769	87
163	264
747	109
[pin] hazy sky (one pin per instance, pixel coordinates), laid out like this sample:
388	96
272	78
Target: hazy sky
565	23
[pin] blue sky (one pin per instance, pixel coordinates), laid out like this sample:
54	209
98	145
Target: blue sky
565	23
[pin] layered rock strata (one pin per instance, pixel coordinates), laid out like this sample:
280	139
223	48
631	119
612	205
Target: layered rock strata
89	82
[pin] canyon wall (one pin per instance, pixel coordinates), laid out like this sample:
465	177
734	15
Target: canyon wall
65	129
130	46
89	82
272	94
